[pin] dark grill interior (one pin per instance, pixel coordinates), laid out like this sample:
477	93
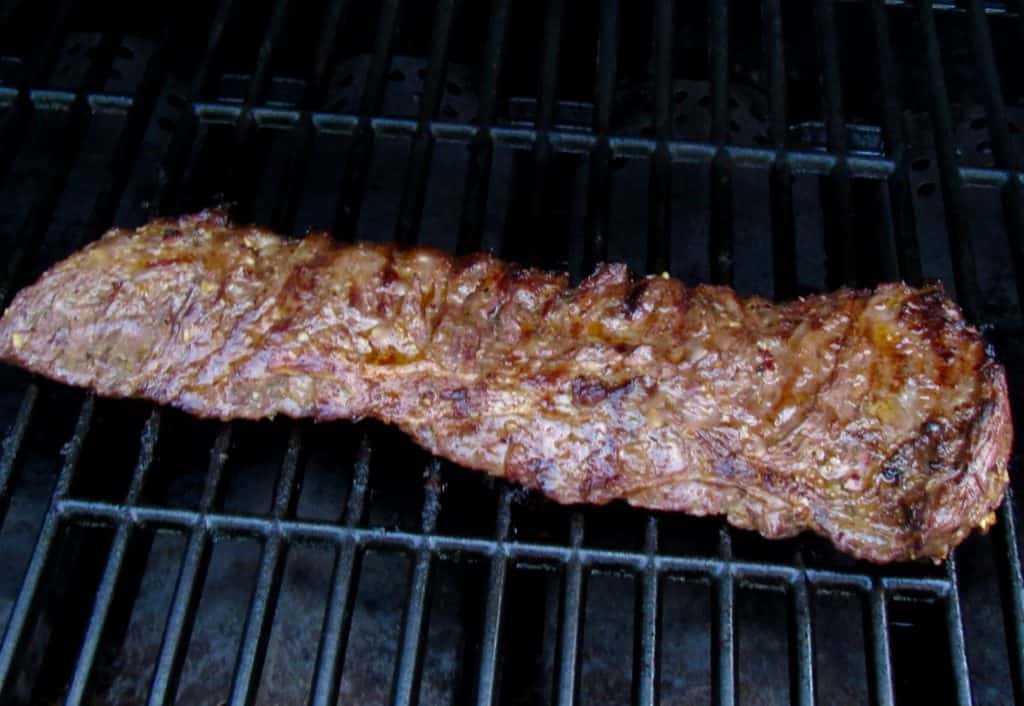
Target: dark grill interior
782	147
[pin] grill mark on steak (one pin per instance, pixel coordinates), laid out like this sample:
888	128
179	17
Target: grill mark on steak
894	444
798	419
589	391
634	298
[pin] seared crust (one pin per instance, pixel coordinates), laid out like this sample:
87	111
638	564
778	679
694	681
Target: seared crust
875	418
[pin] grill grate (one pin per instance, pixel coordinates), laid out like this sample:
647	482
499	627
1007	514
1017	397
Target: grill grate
164	114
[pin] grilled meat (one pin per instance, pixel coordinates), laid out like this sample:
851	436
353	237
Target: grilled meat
875	418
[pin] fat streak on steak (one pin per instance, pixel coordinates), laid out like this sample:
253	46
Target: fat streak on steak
876	418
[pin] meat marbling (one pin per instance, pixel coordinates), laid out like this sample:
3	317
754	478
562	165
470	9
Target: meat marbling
877	418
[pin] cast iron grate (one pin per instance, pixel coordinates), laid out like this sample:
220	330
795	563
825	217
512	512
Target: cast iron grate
781	147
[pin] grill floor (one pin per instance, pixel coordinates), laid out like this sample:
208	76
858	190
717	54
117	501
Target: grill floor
782	147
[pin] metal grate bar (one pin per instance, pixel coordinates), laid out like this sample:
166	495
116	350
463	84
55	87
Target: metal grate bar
293	174
259	620
7	11
937	587
575	142
841	581
901	195
107	201
998	125
36	72
131	137
293	180
571	624
433	86
43	57
887	78
953	7
775	63
802	635
264	599
607	62
481	152
12	445
723	627
1006	156
1017	6
214	42
31	231
1013	206
334	13
828	46
781	179
181	617
957	219
840	248
958	225
192	151
193	571
330	659
660	214
720	242
955	625
549	68
334	640
405	685
410	210
783	231
257	87
723	663
1012	589
880	652
274	28
353	184
128	143
329	533
719	71
900	192
112	571
598	215
132	134
147	447
496	579
171	167
377	76
355	507
545	112
645	653
480	146
987	176
493	56
23	610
